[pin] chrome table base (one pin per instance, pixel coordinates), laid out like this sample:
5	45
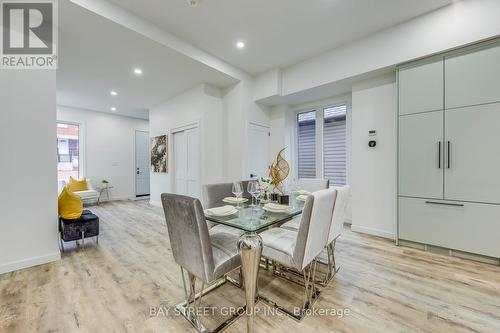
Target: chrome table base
250	247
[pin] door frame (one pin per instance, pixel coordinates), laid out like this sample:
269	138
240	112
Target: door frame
82	167
182	128
247	144
135	163
319	108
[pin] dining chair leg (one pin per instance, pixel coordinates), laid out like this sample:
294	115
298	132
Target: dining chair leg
192	302
311	293
332	265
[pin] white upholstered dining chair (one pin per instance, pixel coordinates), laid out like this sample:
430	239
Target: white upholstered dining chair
298	250
337	223
313	185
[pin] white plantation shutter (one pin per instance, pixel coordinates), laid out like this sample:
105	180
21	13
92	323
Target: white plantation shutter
306	135
334	145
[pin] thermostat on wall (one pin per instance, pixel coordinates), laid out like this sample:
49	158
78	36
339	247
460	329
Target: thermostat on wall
372	142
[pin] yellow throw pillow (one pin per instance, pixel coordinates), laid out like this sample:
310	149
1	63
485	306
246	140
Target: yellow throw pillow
70	205
76	185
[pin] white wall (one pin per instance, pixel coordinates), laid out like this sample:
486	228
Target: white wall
461	23
109	148
374	106
239	111
201	105
28	195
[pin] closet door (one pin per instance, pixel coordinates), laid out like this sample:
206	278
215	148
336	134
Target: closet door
421	88
420	155
473	78
193	165
473	159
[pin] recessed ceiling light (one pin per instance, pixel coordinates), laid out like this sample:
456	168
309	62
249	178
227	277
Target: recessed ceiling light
137	71
113	93
240	45
113	108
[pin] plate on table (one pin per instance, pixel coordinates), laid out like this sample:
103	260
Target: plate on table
275	208
301	192
221	211
302	197
233	200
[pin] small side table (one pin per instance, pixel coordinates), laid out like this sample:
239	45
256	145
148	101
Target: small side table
102	190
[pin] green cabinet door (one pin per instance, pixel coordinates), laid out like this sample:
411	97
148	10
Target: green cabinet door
473	169
473	78
421	155
421	88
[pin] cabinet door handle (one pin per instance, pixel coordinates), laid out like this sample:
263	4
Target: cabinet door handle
444	203
449	154
439	155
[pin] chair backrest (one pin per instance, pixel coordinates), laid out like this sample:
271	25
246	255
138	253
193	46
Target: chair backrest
314	227
188	233
339	212
213	194
313	185
89	185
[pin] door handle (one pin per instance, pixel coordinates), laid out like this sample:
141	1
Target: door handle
439	155
138	171
449	154
444	203
252	175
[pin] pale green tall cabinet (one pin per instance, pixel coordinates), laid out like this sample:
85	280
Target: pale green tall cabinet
449	151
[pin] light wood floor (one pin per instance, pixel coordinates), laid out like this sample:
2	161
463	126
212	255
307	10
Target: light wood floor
111	287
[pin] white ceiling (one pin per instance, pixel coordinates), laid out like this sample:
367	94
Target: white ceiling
97	56
278	33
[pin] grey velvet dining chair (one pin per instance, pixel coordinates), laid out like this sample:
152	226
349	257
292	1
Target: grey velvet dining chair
298	250
213	194
205	256
313	185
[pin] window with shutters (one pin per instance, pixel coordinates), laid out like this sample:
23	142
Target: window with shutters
334	144
306	135
322	144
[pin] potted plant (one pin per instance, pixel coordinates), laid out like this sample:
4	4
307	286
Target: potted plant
266	187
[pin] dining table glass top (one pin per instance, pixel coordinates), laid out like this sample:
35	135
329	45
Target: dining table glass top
253	219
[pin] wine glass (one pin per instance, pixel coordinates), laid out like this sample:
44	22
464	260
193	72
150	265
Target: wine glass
238	191
251	189
257	195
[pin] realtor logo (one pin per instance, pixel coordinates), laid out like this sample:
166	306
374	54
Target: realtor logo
29	34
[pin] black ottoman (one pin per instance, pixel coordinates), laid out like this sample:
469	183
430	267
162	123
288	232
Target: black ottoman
84	227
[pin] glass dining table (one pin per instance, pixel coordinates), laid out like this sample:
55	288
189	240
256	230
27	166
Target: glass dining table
252	220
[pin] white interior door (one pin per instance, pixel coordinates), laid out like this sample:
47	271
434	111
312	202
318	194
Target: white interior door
141	163
193	162
187	162
258	151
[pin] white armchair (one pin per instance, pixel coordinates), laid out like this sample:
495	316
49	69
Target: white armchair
90	196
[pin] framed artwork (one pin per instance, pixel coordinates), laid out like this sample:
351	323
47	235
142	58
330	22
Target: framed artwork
159	154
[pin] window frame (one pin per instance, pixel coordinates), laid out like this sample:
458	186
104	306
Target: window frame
81	147
319	110
296	140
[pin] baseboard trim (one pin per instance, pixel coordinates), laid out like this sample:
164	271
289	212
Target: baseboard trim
374	232
154	203
26	263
